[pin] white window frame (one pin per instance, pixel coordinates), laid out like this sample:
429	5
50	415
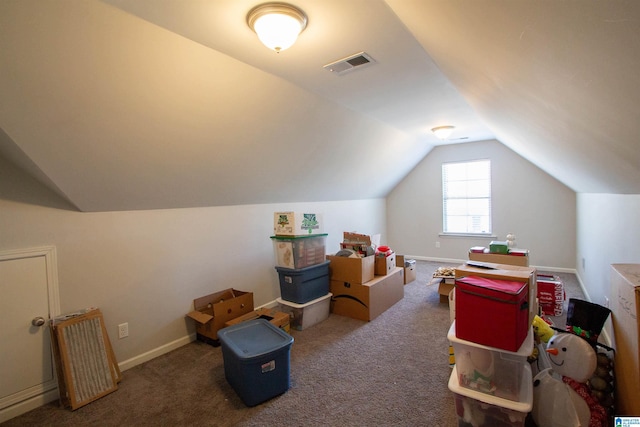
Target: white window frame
467	191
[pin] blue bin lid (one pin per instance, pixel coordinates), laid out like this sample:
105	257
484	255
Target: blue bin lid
254	338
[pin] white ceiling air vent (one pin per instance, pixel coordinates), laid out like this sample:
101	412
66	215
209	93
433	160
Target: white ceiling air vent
349	63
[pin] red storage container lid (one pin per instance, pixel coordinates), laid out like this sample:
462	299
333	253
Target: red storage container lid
483	286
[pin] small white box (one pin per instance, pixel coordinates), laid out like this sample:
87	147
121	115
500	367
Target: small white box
296	223
308	314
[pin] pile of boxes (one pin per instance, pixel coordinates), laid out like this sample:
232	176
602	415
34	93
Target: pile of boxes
367	283
492	338
303	272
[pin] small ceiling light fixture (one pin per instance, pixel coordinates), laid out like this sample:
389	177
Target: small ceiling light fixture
443	132
277	24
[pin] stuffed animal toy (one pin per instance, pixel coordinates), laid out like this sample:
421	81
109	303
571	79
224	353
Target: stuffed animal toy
542	331
566	401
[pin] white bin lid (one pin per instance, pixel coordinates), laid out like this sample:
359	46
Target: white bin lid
306	304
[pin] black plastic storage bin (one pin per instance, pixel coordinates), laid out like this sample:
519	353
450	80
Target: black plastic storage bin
304	284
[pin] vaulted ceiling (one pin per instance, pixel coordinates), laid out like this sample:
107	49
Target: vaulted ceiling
147	104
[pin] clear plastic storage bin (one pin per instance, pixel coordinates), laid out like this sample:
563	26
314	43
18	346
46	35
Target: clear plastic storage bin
490	370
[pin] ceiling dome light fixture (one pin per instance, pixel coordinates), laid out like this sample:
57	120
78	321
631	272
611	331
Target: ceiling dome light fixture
277	24
443	132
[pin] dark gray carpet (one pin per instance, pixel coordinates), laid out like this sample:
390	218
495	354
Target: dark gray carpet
392	371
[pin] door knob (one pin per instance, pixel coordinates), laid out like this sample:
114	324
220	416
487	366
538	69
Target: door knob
38	321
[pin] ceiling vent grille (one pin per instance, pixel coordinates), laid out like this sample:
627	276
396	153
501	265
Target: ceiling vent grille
350	63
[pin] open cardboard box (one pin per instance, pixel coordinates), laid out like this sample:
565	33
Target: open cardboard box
212	311
352	270
277	318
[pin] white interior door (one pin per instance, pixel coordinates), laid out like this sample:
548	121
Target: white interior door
28	285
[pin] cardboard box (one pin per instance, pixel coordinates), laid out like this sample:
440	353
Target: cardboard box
521	260
277	318
625	310
367	301
409	266
504	272
296	223
351	270
212	311
384	264
445	287
551	295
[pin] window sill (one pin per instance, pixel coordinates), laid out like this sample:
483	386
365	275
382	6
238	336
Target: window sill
475	235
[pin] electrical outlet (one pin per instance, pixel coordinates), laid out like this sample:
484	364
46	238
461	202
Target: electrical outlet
123	330
437	244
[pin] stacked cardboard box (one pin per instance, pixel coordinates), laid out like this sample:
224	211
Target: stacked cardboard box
357	291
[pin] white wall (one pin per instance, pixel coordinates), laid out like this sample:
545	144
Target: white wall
146	267
526	201
608	233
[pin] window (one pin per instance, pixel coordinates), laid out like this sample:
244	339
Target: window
466	197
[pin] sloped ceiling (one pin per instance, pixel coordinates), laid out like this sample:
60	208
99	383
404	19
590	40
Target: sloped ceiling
146	104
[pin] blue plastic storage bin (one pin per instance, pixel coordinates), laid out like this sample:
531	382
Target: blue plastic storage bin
304	284
256	357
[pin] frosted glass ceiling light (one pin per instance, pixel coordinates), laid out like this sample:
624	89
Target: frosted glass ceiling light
277	24
443	132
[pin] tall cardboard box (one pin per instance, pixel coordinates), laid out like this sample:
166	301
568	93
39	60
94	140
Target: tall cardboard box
212	311
366	301
409	266
504	272
384	264
625	311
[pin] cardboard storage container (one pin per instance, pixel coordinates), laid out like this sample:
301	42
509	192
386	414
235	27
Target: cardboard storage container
212	311
296	223
384	265
491	370
277	318
352	270
306	315
492	312
551	294
366	301
625	315
504	272
304	284
409	266
256	356
491	411
447	284
299	251
522	259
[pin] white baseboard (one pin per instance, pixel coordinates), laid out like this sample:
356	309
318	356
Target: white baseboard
28	405
159	351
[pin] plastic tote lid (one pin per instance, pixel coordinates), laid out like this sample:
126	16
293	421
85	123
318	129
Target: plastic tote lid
254	338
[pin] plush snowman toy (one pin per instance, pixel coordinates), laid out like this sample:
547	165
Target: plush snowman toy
566	401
